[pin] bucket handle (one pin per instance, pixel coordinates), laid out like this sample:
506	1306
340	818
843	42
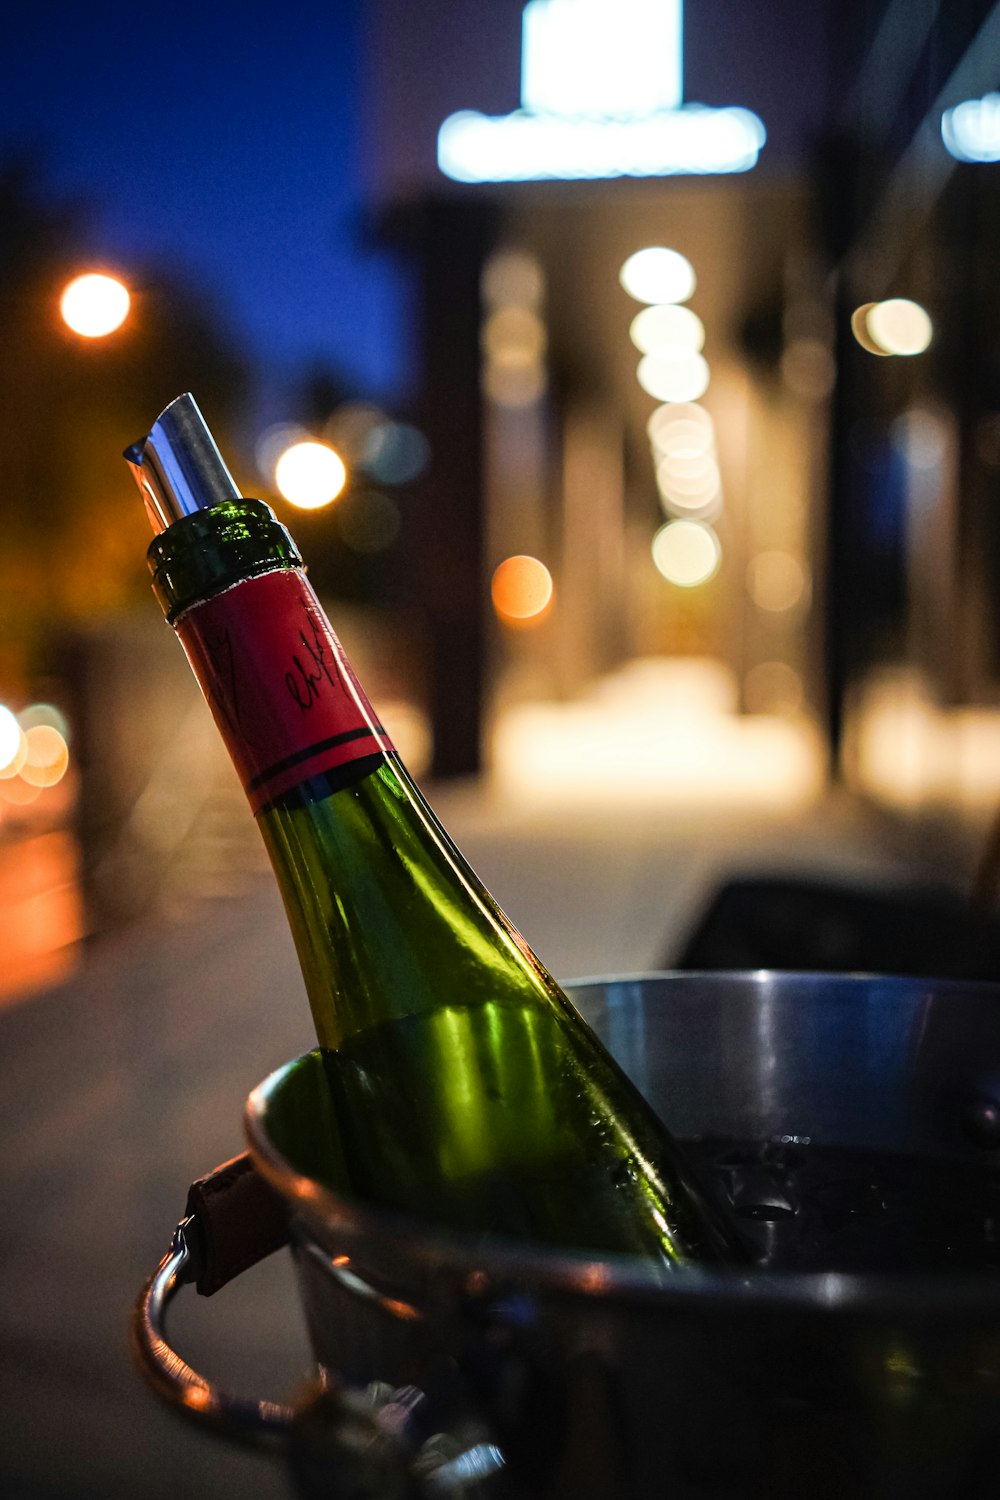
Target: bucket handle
233	1219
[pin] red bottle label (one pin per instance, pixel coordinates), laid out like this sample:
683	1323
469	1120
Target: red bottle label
282	691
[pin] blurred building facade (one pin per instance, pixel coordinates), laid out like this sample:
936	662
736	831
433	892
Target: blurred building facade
856	585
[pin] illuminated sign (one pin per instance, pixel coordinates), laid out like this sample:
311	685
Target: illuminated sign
971	131
601	96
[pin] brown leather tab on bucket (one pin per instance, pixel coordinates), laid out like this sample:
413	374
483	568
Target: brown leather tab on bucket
241	1219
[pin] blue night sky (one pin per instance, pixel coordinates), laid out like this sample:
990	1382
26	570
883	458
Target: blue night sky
222	138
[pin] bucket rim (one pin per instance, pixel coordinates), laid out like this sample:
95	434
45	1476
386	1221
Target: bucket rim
489	1262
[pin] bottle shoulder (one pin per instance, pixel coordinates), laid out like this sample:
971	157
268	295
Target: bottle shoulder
369	865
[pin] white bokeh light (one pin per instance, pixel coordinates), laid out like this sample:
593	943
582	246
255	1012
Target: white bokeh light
686	553
899	326
667	326
674	375
310	475
681	428
971	130
10	736
94	305
689	484
657	275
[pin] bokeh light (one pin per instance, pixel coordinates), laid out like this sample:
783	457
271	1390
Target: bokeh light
900	326
776	580
13	766
681	428
971	130
514	385
48	756
656	274
667	326
521	590
514	336
512	277
687	553
16	792
33	751
351	427
684	441
921	436
310	475
689	483
514	331
44	713
680	375
896	326
514	340
689	473
94	305
859	327
394	453
10	737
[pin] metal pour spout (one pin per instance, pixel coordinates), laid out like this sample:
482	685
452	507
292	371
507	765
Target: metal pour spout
178	467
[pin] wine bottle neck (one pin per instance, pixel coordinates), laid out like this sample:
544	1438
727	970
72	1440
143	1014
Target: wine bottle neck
209	551
282	692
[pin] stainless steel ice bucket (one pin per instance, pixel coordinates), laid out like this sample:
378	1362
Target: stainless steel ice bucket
518	1371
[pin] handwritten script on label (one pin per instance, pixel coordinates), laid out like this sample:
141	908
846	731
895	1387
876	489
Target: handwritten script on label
304	680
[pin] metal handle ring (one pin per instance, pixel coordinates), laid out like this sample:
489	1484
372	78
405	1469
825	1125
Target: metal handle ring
270	1425
172	1377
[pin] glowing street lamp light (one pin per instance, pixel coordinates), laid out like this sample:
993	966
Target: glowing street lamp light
310	475
94	305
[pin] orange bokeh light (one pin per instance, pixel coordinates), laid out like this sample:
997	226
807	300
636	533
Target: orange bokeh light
94	304
47	757
521	590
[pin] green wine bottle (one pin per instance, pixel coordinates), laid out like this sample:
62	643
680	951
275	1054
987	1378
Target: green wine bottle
465	1085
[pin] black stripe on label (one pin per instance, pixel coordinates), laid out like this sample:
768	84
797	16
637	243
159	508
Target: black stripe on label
317	748
318	788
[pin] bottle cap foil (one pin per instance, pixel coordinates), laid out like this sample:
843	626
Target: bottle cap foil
178	467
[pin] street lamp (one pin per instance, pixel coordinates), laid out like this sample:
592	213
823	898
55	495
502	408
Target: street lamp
310	474
94	305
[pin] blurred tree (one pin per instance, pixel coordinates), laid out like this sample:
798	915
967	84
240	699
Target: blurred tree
74	537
